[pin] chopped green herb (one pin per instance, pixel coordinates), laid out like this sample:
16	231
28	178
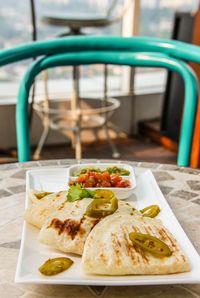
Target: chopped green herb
77	192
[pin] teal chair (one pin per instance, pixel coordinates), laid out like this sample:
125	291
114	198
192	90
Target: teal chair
136	51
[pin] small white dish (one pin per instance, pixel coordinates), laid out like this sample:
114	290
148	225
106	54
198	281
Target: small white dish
121	193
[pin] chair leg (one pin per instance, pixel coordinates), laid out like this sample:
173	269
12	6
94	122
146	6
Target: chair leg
75	104
42	140
115	152
114	127
78	147
45	119
95	133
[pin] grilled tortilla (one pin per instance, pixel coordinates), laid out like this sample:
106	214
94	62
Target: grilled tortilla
68	228
109	251
39	210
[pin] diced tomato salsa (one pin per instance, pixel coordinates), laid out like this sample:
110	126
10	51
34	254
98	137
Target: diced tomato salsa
94	179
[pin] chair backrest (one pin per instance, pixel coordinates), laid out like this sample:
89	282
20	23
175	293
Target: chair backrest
135	51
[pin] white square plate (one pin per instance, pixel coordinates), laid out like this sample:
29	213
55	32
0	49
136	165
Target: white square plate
33	254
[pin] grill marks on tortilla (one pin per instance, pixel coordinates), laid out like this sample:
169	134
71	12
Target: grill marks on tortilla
136	254
39	210
108	249
153	230
167	238
61	206
173	245
71	227
129	247
133	249
116	246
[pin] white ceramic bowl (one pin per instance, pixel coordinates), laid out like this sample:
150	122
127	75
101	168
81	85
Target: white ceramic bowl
121	193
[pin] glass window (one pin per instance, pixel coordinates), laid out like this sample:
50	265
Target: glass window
156	20
16	28
156	16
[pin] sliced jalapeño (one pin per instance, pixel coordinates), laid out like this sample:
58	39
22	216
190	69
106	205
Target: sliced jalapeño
150	244
150	211
55	266
102	207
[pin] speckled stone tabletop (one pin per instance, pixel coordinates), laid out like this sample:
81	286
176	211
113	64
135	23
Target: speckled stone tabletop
181	187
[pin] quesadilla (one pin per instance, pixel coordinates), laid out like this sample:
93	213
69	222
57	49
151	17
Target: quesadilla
109	251
68	228
41	207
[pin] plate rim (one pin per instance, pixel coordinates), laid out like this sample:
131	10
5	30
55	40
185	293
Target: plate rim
98	282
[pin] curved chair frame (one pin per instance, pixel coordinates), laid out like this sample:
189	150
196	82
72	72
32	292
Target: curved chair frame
120	58
118	49
175	49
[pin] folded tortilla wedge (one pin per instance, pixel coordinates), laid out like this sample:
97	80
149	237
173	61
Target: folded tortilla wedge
39	210
109	251
68	228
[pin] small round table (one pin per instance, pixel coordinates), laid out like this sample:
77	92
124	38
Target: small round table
76	24
181	187
65	124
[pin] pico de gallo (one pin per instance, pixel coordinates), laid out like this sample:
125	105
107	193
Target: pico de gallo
94	179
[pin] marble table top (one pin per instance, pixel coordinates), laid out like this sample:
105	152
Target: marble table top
181	187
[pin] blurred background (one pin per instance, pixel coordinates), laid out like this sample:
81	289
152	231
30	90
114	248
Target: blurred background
144	125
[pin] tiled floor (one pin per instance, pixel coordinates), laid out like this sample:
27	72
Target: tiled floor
138	149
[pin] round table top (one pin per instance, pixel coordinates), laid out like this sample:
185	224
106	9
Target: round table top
75	22
181	187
